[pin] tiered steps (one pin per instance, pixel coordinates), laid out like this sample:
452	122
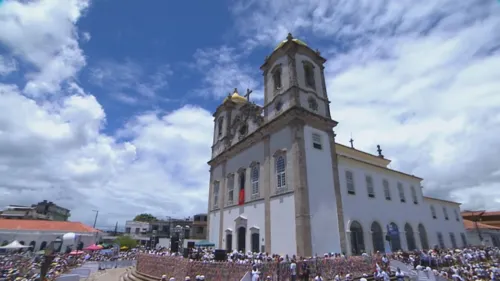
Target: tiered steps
133	275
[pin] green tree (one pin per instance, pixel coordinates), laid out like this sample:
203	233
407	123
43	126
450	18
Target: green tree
145	218
126	241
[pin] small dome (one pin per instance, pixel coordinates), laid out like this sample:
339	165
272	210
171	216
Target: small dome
236	98
300	42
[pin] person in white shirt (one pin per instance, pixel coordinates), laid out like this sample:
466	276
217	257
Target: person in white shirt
318	277
293	271
400	276
255	274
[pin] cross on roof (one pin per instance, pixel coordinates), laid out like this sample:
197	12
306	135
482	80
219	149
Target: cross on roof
352	142
379	151
247	95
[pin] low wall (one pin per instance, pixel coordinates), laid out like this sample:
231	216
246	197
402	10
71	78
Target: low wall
179	267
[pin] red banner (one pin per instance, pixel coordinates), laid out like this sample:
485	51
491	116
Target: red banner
241	199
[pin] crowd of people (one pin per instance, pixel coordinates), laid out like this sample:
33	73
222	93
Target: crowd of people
468	264
26	266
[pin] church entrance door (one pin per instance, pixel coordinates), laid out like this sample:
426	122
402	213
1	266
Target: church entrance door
229	242
255	242
357	241
242	234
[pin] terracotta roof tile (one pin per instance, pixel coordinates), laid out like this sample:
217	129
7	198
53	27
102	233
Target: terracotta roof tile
472	225
42	225
485	214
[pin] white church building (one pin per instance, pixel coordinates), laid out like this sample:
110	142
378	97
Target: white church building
279	183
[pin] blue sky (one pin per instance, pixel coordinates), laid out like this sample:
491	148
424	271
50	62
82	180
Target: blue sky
107	104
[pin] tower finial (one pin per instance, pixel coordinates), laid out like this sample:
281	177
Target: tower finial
379	151
235	91
289	37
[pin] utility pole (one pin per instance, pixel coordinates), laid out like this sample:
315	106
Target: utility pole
95	222
96	215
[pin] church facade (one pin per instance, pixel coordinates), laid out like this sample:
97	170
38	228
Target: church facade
279	183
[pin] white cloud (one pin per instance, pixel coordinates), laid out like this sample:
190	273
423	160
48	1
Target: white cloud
131	82
418	79
223	71
43	34
7	65
55	149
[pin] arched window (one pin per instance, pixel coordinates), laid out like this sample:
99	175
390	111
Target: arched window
410	237
281	173
220	124
32	245
43	245
357	239
309	75
377	237
387	191
464	239
21	242
395	237
423	237
254	176
414	195
277	78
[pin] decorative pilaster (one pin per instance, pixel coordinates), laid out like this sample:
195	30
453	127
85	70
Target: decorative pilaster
338	193
302	212
323	85
210	199
266	188
222	200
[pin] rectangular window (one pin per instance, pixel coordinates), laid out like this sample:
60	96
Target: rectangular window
230	190
316	138
445	213
281	174
441	240
349	178
453	241
414	195
255	180
216	194
401	192
457	217
433	212
369	187
387	190
464	240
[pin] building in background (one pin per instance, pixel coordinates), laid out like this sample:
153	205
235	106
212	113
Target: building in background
480	234
42	211
52	211
147	233
488	218
483	228
199	227
18	212
39	233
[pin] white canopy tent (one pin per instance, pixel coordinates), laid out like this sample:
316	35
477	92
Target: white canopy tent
14	245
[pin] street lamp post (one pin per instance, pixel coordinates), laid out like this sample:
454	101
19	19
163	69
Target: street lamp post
49	256
95	223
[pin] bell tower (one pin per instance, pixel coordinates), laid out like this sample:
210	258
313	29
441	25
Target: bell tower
294	77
